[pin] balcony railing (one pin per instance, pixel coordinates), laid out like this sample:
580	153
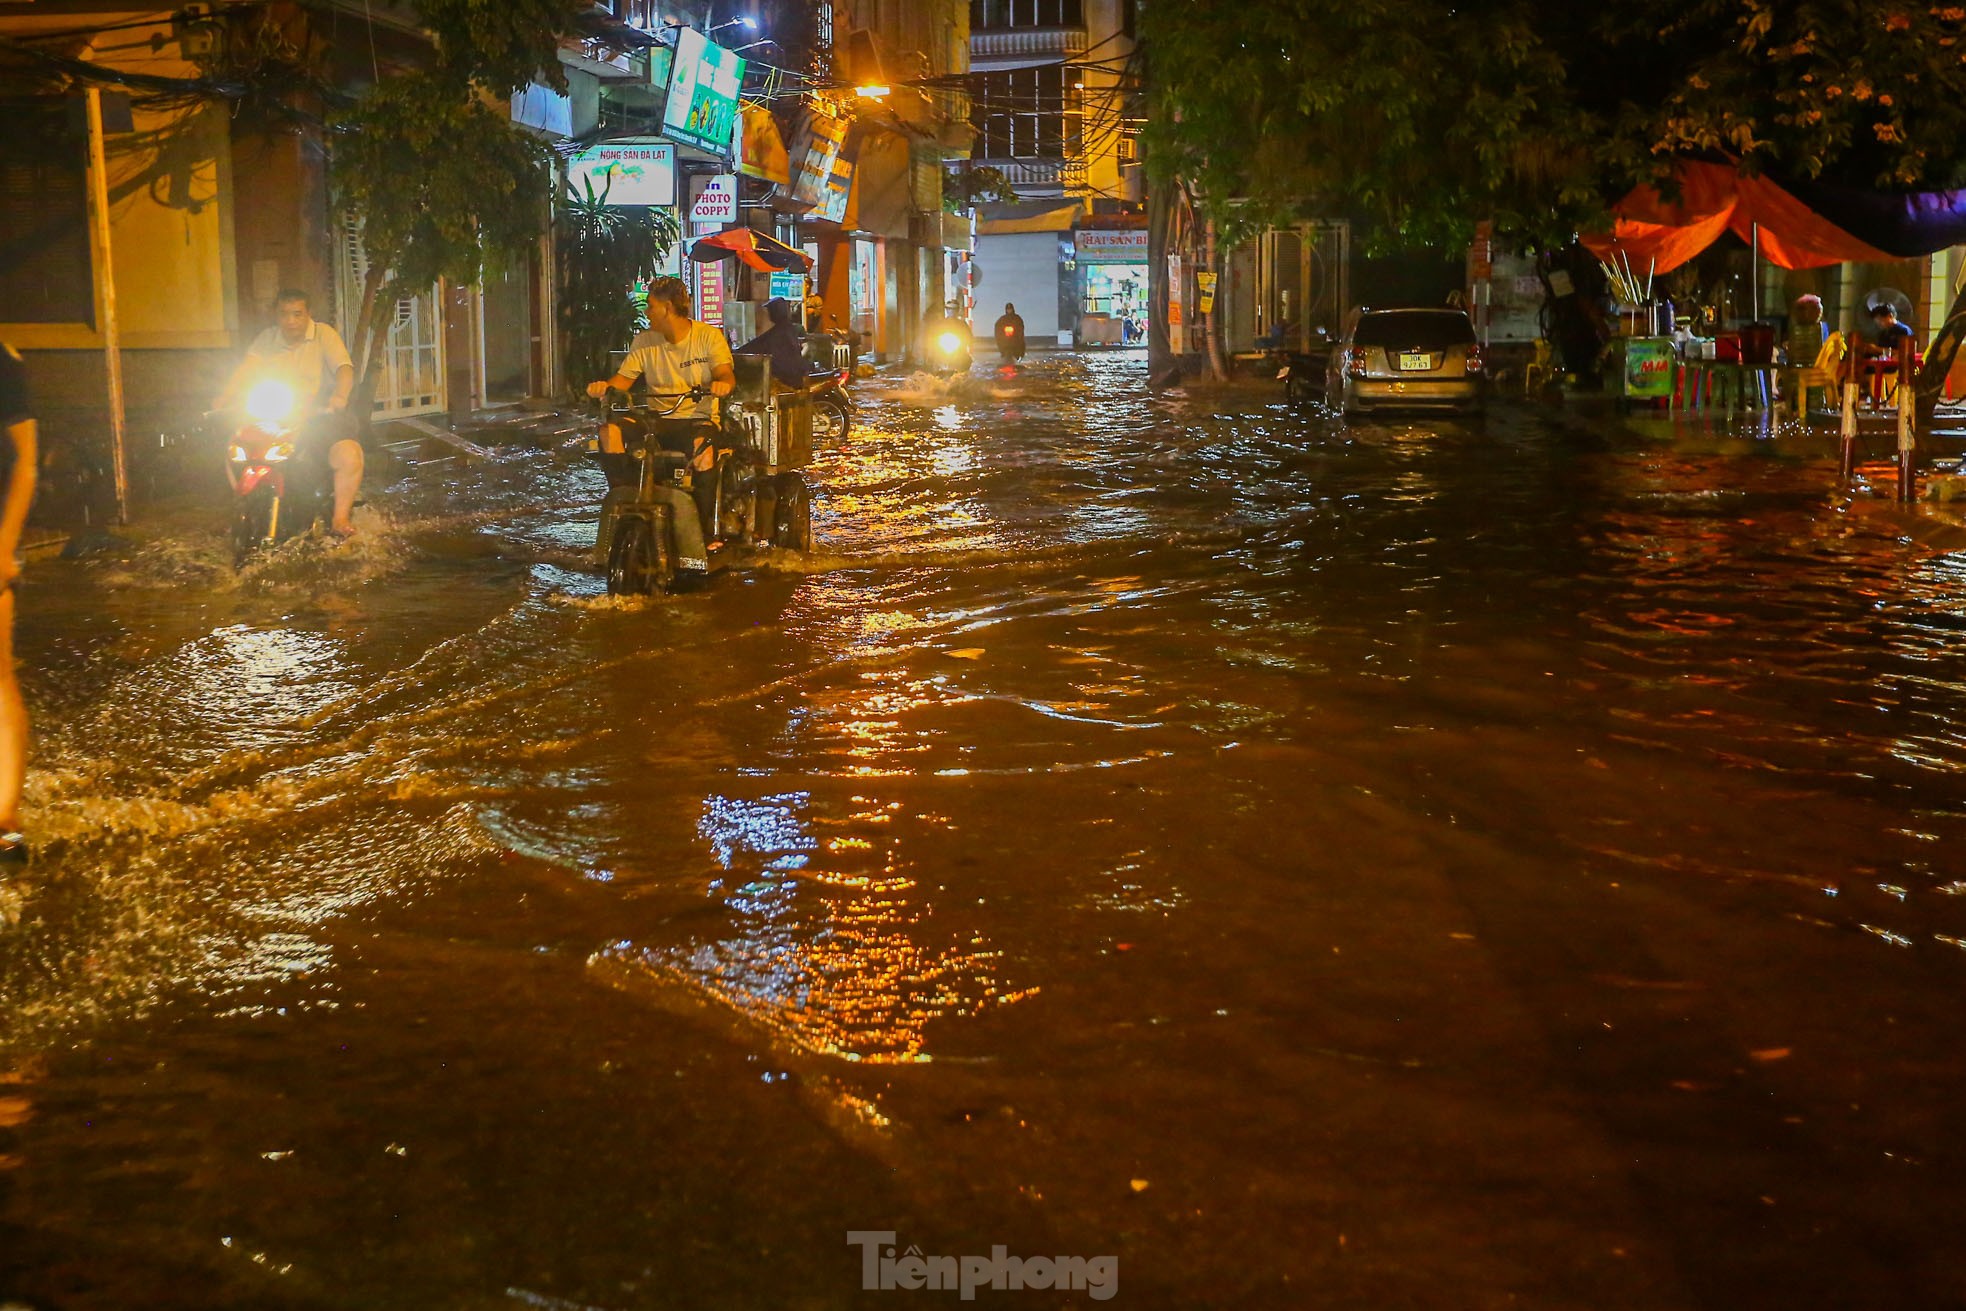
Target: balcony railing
1026	43
1038	174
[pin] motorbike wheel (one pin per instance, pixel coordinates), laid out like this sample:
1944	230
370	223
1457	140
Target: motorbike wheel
792	525
638	562
253	523
832	420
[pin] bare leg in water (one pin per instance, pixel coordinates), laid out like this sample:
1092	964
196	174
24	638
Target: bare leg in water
345	458
13	723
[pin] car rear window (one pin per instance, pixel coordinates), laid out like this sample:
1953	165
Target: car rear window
1427	329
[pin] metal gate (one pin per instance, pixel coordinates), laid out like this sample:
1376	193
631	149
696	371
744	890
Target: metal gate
410	374
1303	280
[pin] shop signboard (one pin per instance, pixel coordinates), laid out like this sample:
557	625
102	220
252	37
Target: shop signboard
710	294
631	171
1111	247
701	109
832	206
816	153
789	286
716	204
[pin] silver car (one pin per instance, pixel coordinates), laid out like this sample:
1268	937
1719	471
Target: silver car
1408	359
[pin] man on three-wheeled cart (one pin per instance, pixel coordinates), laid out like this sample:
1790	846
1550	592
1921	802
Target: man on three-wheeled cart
704	473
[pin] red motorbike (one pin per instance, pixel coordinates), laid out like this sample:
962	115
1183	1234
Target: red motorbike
275	497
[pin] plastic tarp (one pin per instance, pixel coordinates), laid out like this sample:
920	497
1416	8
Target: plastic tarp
1652	232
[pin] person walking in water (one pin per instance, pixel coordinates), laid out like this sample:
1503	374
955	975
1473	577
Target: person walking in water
17	467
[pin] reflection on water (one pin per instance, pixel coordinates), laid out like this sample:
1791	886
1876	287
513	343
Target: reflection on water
1337	828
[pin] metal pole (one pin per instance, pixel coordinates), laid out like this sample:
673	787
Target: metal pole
1907	443
1849	428
112	351
1754	275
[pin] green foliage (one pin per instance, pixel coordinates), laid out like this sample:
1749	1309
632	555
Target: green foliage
1870	94
604	251
1416	118
501	44
963	189
440	182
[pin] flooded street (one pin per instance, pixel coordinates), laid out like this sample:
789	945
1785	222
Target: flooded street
1509	864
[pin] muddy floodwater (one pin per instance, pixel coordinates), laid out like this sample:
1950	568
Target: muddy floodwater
1504	864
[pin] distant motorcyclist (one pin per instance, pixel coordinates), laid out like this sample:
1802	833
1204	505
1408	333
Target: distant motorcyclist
1010	335
312	359
782	343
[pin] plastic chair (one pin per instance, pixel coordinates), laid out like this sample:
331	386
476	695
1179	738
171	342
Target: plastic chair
1821	374
1538	373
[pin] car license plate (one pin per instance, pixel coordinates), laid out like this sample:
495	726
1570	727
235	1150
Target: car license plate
1416	360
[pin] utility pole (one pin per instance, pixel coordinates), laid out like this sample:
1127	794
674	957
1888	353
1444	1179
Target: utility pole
112	350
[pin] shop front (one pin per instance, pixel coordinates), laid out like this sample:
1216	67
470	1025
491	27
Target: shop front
1112	286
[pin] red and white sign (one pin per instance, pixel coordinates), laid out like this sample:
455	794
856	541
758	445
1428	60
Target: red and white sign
710	294
717	203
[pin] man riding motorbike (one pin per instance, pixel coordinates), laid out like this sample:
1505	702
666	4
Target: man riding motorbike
1010	335
675	356
312	360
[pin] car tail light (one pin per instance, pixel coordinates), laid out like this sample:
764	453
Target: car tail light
1474	359
1355	361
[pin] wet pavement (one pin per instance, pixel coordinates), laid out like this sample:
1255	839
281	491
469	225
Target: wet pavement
1456	865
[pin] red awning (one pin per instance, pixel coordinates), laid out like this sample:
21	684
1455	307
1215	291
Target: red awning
1714	198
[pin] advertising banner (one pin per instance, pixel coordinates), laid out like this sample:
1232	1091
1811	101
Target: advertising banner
1176	313
710	294
1111	247
816	158
631	171
761	151
702	105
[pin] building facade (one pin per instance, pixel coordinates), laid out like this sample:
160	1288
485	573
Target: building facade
1056	117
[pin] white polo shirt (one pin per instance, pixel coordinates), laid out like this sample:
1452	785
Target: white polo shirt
673	367
308	365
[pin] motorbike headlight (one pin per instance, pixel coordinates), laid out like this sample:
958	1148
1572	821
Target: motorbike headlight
951	343
238	453
280	451
270	402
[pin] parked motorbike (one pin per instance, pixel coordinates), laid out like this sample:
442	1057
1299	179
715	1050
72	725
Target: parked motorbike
829	364
832	405
276	496
657	535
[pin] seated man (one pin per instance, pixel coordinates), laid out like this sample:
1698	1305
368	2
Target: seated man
311	358
783	344
1893	351
677	355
